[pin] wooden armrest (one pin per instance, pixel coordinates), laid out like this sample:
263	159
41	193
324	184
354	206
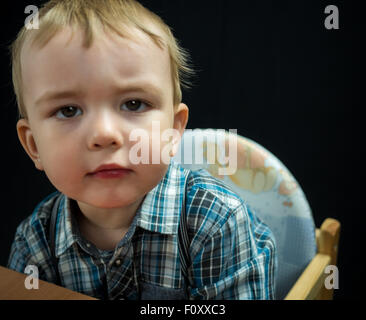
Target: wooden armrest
311	280
310	285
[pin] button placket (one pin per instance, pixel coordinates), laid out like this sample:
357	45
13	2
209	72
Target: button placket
118	257
105	279
122	272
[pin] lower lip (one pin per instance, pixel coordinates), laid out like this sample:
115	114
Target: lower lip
110	174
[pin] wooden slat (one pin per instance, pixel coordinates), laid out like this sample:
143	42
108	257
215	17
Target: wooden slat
328	244
329	238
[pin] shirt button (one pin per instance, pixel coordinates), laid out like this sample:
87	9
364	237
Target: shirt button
117	262
88	245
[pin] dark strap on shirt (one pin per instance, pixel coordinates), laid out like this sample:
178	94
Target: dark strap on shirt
183	239
52	237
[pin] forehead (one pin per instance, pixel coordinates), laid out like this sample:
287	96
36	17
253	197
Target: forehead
64	63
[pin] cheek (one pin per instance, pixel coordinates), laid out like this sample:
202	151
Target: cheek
150	140
150	176
60	161
160	145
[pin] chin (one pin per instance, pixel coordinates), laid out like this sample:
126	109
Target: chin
107	204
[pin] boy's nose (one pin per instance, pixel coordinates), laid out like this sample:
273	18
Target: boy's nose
104	133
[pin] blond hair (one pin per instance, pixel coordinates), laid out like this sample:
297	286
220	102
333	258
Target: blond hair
114	15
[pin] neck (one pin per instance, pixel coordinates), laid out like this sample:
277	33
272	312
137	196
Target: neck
107	219
104	227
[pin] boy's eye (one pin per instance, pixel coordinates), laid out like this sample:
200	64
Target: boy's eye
67	112
134	105
71	111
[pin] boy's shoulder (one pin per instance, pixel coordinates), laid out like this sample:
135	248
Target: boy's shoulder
30	245
213	210
210	202
36	222
201	182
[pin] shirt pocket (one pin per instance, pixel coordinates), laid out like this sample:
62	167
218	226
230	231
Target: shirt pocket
154	292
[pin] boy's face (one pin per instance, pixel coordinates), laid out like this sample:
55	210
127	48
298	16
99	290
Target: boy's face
118	85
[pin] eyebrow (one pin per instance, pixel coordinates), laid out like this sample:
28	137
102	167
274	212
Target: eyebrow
148	88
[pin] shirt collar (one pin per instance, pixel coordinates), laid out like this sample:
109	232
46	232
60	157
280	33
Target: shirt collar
158	212
67	231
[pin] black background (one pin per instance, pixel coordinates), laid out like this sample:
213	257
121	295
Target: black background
269	69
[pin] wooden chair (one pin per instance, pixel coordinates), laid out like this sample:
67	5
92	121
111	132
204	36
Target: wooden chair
267	186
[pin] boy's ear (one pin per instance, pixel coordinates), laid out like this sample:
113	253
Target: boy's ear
26	138
181	117
180	122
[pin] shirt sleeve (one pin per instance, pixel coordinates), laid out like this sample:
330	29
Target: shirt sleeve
237	262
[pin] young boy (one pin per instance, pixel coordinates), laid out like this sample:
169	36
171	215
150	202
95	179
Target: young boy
92	74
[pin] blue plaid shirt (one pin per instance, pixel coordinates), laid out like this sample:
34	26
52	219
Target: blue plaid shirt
232	252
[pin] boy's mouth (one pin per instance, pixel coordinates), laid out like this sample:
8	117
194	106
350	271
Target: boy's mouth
112	170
